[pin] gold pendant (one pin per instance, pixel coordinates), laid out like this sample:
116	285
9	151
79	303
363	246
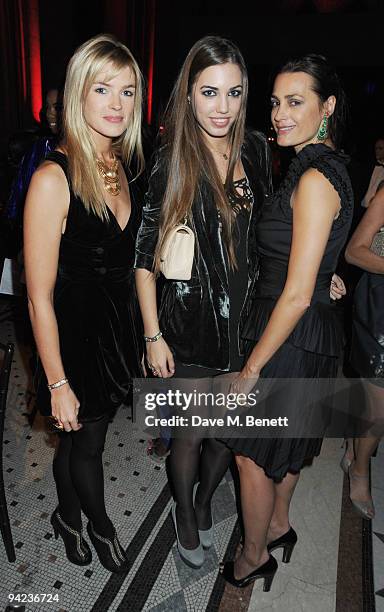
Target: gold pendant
109	176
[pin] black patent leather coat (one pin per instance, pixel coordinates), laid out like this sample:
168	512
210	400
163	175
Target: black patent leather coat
194	314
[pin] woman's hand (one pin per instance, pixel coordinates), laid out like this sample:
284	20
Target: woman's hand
160	359
245	381
337	289
65	408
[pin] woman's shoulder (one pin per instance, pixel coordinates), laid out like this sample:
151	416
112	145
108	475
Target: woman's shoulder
320	155
332	164
50	177
257	153
48	193
49	173
329	162
159	164
256	149
160	155
57	161
255	141
321	166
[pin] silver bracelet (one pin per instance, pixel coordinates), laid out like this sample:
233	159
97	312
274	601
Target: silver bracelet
58	384
153	338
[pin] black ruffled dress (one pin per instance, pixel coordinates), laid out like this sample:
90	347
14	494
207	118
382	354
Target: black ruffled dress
99	322
312	349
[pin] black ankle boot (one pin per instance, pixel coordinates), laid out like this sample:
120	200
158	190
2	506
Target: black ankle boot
110	552
76	547
287	541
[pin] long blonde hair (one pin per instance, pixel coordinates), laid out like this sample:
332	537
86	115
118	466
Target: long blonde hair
189	159
89	60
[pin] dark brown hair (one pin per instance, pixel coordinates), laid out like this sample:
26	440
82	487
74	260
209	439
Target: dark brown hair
325	83
188	157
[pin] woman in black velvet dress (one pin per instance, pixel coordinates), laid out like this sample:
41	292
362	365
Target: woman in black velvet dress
81	220
293	332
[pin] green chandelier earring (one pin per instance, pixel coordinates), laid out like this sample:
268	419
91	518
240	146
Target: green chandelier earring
323	129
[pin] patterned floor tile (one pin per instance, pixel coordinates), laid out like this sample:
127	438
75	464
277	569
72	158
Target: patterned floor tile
138	503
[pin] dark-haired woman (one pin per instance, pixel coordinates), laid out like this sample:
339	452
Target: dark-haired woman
292	330
215	174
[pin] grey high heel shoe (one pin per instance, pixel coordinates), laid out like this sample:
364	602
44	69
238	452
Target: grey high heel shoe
206	535
345	461
365	509
193	557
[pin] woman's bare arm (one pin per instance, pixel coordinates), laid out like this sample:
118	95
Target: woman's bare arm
44	217
315	205
159	355
358	251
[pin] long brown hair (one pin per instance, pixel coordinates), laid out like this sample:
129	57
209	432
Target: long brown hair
87	61
189	158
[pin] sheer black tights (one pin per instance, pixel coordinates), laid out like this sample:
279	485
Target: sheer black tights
195	459
79	476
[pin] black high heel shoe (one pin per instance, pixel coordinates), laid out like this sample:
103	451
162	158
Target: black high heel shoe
76	548
266	571
287	541
110	552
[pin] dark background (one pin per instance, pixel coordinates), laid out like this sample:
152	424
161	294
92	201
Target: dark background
350	33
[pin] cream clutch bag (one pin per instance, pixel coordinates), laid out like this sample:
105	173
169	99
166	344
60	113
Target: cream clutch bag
176	256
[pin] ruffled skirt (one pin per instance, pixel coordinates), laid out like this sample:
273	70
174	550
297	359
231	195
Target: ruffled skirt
309	353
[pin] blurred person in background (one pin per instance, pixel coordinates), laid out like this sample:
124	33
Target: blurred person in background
366	250
377	176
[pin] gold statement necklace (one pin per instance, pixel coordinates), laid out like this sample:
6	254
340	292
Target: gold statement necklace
109	176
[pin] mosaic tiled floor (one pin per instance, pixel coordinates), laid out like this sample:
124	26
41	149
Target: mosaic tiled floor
138	503
138	500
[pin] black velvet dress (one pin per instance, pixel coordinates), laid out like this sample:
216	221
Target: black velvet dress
99	322
312	349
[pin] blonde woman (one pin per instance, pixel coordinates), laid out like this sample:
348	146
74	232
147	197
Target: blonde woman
81	218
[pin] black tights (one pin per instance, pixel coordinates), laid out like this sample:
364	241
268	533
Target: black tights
195	459
79	476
